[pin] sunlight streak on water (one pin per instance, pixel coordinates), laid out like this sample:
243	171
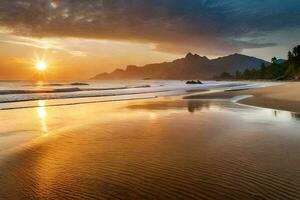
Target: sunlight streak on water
42	114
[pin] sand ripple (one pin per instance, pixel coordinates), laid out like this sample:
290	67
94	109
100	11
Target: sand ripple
210	155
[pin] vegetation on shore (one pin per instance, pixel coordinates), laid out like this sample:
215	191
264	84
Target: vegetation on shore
278	69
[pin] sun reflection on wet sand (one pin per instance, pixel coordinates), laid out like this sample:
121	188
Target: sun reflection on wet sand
42	114
150	149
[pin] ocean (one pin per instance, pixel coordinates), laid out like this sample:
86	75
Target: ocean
23	94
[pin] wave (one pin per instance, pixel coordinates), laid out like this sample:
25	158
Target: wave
56	104
66	90
6	92
58	84
36	98
10	95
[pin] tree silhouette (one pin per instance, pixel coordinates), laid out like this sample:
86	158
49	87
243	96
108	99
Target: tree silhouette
290	56
296	51
275	70
238	75
273	60
263	71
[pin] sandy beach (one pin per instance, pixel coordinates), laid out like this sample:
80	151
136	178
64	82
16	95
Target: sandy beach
281	97
164	148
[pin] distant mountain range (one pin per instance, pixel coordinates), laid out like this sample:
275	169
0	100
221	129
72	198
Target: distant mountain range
192	66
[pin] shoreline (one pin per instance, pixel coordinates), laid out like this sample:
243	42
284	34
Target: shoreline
278	97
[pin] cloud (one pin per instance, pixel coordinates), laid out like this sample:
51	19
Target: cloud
53	44
206	26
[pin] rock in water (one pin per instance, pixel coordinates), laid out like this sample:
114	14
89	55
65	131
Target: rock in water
194	82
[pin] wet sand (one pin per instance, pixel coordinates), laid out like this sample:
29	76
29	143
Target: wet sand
165	148
281	97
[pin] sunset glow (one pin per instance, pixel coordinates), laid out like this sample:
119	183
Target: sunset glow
143	99
41	65
85	38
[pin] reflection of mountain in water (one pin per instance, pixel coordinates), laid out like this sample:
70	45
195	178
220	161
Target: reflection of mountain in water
191	105
197	105
295	116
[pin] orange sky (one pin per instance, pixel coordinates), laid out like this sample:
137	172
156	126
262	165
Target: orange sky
71	58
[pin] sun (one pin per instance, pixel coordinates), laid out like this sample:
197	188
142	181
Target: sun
41	65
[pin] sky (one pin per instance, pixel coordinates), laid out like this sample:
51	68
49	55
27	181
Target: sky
81	38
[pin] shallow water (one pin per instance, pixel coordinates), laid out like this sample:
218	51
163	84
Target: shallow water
18	91
164	148
21	94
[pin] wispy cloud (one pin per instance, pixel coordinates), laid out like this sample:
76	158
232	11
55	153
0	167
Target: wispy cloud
41	43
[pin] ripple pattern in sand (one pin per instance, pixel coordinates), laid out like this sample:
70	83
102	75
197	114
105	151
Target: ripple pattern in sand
178	157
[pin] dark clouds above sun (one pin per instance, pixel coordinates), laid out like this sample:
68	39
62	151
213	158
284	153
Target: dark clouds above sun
150	30
209	26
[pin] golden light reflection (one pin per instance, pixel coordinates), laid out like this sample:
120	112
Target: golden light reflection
39	83
42	114
152	116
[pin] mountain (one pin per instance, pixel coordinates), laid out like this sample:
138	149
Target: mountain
192	66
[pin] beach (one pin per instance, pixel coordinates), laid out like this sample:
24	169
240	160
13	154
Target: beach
282	97
149	100
156	148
